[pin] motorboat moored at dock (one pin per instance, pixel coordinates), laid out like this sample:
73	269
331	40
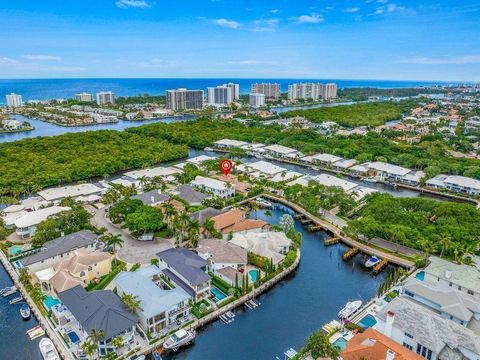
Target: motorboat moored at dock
48	349
180	338
349	309
15	300
25	311
371	262
10	290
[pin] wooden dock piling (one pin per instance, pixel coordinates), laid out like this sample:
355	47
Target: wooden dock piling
350	253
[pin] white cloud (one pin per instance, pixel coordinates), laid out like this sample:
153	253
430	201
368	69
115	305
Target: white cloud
265	25
141	4
393	8
7	61
454	60
274	11
232	24
352	10
42	57
313	18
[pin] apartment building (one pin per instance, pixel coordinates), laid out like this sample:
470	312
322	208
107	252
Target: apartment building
183	99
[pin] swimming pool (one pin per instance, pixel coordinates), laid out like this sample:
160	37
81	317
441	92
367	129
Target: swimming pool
367	321
217	293
340	343
420	275
15	249
50	302
253	275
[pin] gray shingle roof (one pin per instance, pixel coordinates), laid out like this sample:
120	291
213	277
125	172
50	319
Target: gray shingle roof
61	245
428	328
186	263
203	215
168	273
152	197
99	310
190	195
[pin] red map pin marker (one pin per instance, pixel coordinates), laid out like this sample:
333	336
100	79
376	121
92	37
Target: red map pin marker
226	166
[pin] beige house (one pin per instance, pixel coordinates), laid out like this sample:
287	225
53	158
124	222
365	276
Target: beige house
80	269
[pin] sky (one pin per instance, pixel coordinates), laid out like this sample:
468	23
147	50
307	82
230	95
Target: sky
364	39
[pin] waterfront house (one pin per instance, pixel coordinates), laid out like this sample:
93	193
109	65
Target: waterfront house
282	151
373	345
81	268
386	171
222	254
271	245
464	278
26	225
152	198
198	160
449	302
344	164
72	191
425	332
358	170
455	183
214	186
413	178
187	270
325	160
102	311
190	195
58	249
204	214
260	169
166	173
161	304
235	221
228	144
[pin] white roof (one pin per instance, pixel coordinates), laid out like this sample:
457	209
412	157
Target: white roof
153	172
359	168
284	176
329	180
280	149
36	217
463	181
125	182
345	163
254	146
415	176
388	168
231	143
326	158
307	159
267	244
10	218
362	191
69	191
262	166
209	183
13	208
199	159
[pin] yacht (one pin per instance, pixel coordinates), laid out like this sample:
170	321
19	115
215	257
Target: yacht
370	180
371	262
48	349
263	203
25	311
349	309
156	355
180	338
8	291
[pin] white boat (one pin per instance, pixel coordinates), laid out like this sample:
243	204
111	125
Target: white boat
372	261
15	300
349	309
156	355
35	332
48	349
8	291
370	180
25	311
225	319
263	203
180	338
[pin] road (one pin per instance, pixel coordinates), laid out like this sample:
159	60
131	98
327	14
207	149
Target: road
133	251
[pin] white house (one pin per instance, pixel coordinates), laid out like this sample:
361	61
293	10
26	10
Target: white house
455	183
160	305
73	191
325	159
216	187
282	151
27	224
228	144
386	171
261	169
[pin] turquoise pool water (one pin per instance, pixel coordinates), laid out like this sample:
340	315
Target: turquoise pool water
420	275
253	275
217	293
50	302
15	249
367	321
340	343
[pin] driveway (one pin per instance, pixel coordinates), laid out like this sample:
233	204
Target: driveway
133	250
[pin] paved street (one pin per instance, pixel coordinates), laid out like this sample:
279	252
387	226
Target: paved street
133	251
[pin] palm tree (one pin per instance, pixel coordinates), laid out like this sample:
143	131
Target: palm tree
169	213
113	241
193	232
37	295
89	348
255	207
209	227
131	302
143	180
117	343
445	242
96	335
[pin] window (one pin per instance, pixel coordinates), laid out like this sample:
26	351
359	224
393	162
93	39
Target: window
470	292
408	335
450	284
460	288
408	293
408	346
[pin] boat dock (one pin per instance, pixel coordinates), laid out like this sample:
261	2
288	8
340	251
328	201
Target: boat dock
380	266
315	228
332	241
347	255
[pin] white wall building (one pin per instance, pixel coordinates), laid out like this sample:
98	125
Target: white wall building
216	187
235	88
312	91
455	183
386	171
105	97
270	90
84	97
183	99
27	224
14	100
220	95
256	100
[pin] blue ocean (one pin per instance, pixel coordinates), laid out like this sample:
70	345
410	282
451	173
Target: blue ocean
43	89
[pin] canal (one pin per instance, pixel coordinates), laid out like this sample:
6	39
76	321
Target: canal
293	309
15	344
